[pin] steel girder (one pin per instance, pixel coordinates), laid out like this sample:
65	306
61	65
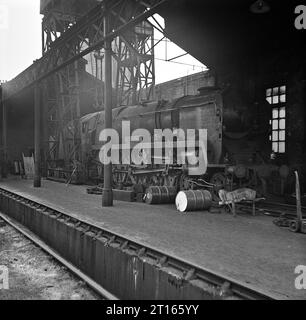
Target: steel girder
69	113
53	26
84	37
134	54
52	124
62	105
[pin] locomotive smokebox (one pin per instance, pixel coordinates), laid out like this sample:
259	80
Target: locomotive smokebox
235	121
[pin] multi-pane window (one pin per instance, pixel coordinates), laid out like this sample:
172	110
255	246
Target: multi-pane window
277	97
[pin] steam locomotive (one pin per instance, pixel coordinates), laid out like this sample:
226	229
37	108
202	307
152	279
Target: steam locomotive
234	158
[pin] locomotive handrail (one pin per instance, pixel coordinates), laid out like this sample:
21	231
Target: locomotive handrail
174	109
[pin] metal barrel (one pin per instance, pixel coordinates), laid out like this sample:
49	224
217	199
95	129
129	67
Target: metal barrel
160	195
193	200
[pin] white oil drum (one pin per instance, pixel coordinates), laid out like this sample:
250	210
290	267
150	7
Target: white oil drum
193	200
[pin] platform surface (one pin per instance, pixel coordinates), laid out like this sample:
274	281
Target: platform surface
250	249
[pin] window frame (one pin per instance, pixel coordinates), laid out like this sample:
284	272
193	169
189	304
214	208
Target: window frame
277	97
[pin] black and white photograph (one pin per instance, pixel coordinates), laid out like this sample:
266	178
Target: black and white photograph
152	153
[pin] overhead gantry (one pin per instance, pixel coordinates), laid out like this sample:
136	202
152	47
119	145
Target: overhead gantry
65	41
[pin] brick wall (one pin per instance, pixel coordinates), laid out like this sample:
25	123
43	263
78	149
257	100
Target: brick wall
183	86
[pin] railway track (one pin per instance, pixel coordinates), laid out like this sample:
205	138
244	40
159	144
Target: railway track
287	208
224	287
274	209
30	236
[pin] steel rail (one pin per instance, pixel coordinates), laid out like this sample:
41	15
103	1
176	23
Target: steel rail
190	270
291	207
29	235
277	209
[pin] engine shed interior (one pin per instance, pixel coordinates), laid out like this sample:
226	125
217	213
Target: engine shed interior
255	60
155	149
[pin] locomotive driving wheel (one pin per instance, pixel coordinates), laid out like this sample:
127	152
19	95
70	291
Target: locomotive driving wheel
219	182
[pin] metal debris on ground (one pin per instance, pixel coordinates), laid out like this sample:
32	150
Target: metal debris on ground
95	190
298	224
239	196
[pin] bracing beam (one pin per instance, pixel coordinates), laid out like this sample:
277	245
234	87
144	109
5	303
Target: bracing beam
134	54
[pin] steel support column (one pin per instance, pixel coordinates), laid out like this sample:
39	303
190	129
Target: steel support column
45	128
107	198
37	144
4	138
